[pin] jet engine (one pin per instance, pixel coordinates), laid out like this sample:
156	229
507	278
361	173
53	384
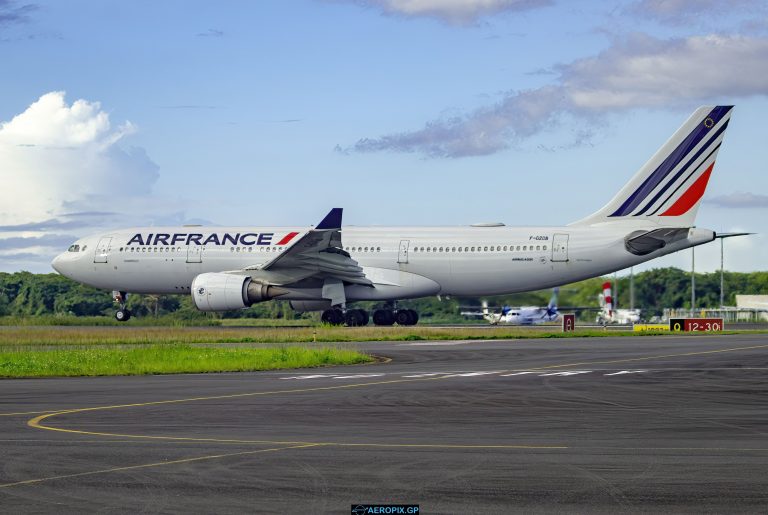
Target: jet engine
222	292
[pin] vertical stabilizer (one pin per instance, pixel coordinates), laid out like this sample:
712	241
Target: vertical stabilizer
668	188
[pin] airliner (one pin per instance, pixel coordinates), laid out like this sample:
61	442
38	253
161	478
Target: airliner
325	268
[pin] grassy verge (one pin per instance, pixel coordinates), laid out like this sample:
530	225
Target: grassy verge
55	336
166	359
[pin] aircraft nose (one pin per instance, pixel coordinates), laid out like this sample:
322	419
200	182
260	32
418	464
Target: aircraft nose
57	264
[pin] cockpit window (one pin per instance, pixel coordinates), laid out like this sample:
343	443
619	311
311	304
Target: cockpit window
74	248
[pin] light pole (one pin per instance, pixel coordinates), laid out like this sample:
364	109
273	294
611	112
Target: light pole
721	273
721	237
632	288
693	280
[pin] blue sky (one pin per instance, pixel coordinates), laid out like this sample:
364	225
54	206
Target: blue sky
404	112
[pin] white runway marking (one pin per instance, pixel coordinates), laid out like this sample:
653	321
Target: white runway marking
315	376
357	376
472	374
567	373
438	343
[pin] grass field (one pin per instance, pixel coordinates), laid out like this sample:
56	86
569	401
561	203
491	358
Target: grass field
55	336
166	359
44	351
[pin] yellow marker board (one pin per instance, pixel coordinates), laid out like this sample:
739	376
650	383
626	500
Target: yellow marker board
651	327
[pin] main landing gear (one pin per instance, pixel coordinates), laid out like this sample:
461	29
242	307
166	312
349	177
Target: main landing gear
359	317
122	314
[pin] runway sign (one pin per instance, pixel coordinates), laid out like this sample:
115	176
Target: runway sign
696	324
569	323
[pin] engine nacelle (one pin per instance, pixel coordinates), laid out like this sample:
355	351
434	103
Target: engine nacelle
223	292
303	306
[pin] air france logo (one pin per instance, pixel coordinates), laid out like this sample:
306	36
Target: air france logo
183	238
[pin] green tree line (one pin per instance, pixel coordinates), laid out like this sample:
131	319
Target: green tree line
24	294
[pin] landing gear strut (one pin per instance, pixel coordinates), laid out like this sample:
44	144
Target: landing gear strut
122	314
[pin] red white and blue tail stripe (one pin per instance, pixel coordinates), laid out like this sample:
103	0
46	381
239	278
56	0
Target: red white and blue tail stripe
668	188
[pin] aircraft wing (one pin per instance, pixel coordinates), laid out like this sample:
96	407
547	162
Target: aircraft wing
318	253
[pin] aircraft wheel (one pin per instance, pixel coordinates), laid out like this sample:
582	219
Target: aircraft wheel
383	317
122	315
414	317
332	316
356	317
405	317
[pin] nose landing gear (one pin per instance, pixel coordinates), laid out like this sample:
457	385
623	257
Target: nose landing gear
122	314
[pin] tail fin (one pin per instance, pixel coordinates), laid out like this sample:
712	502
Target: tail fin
553	300
668	188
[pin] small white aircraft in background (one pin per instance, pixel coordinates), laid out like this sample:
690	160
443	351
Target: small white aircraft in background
608	315
524	315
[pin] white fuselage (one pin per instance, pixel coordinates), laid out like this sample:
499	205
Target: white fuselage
402	262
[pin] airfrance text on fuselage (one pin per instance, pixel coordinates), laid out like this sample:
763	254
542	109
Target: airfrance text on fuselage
245	239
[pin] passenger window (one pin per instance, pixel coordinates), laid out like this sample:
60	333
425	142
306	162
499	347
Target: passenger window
366	249
518	247
545	247
538	247
427	249
441	249
453	249
459	249
473	249
505	248
378	249
485	249
525	247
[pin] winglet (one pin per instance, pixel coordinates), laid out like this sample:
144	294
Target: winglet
332	220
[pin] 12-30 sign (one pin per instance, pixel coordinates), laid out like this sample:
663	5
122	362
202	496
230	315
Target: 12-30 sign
696	324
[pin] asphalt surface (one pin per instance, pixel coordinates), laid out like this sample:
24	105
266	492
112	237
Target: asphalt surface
606	425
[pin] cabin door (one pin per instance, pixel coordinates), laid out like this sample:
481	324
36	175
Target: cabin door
560	247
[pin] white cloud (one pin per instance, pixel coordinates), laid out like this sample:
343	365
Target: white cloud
678	12
638	72
739	200
646	72
62	168
54	153
457	12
